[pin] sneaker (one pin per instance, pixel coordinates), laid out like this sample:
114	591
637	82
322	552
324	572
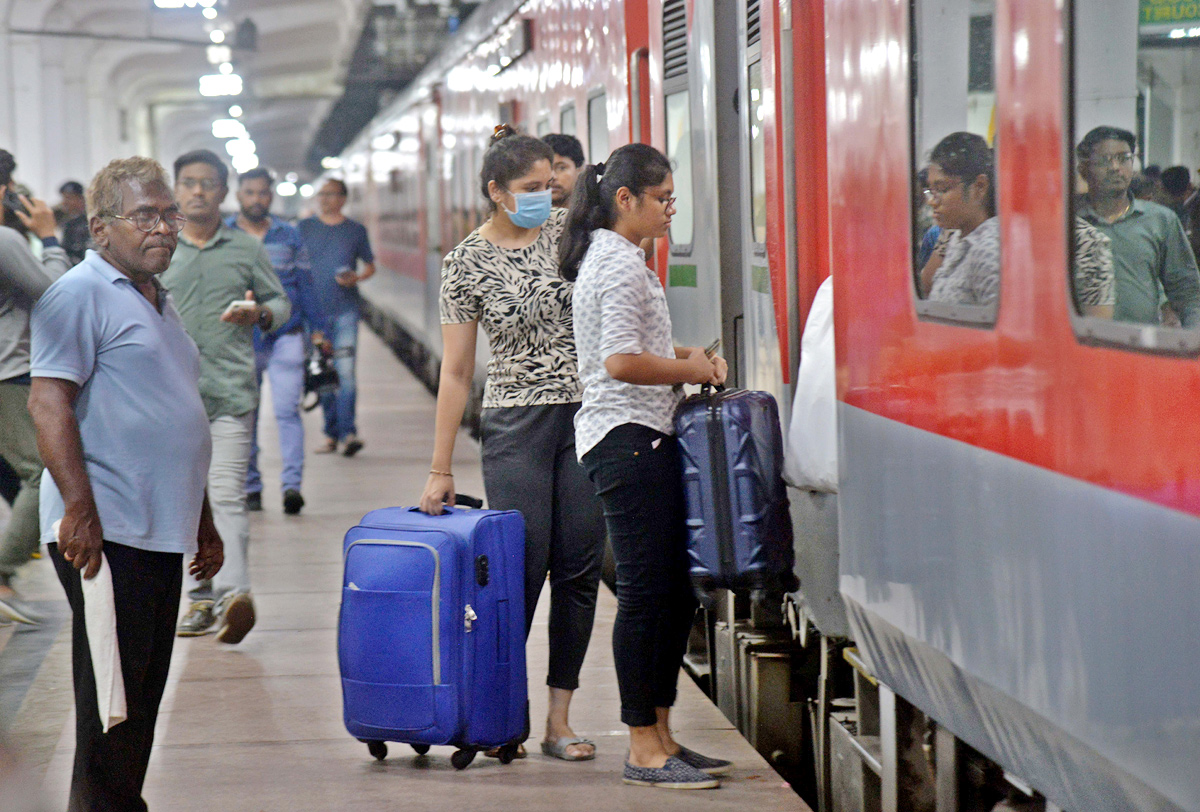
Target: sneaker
198	620
705	764
353	445
675	774
292	501
237	614
14	609
254	501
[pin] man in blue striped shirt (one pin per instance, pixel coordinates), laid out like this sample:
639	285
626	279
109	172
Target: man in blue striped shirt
281	353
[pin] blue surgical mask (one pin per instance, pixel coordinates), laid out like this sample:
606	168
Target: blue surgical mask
532	209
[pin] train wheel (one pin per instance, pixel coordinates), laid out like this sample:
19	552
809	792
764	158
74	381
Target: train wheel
378	750
421	749
462	759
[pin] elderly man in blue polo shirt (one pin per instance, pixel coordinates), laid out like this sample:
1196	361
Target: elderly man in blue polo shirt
122	430
281	354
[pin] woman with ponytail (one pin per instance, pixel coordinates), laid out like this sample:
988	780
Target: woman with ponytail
504	276
632	376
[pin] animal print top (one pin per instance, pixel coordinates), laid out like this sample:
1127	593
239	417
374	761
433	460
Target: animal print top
524	307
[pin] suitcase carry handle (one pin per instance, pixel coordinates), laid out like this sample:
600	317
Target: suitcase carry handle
461	502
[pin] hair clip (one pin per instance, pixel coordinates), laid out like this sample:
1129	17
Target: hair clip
599	169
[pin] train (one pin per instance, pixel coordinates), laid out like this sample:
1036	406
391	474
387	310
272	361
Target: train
996	605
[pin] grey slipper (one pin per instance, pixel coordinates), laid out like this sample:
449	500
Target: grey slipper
558	748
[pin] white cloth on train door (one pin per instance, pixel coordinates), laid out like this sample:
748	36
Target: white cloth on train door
811	457
100	617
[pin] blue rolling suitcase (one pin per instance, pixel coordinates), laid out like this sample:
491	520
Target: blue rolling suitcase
739	528
431	634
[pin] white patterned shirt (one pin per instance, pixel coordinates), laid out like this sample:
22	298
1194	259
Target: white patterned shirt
620	309
970	273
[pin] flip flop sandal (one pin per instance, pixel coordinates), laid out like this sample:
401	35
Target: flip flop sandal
558	748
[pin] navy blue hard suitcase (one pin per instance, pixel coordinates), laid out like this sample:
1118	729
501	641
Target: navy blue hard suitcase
431	633
739	528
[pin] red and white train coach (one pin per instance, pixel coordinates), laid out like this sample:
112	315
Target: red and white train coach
1020	485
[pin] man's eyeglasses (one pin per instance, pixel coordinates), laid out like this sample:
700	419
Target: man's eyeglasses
204	183
147	221
1118	160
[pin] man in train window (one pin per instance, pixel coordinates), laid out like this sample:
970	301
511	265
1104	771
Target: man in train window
1148	243
568	160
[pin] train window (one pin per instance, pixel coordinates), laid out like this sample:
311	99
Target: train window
758	170
956	223
543	126
679	151
598	126
566	120
1134	222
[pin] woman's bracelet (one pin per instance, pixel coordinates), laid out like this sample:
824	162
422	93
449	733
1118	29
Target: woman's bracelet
440	473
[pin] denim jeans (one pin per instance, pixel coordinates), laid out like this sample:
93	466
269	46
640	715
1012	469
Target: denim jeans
637	474
339	406
283	361
227	497
18	446
529	465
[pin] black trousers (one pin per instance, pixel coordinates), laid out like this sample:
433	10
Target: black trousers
529	465
110	768
637	474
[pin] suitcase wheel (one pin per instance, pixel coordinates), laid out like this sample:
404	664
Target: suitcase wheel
378	750
462	759
507	753
421	749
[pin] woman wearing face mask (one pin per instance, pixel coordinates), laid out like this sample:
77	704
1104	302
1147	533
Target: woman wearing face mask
504	276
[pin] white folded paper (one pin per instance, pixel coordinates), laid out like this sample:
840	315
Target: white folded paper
100	617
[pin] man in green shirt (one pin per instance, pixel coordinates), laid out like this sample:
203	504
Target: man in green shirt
1150	251
223	285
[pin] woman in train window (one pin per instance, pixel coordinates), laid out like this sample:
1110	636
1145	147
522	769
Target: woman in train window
631	375
965	267
504	276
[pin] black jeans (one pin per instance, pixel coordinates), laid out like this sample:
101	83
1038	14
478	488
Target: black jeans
110	768
529	465
636	471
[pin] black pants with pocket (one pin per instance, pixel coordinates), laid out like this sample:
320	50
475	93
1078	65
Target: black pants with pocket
529	465
637	474
110	768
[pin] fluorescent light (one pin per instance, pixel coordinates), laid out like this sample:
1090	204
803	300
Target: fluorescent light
229	128
218	54
286	189
244	163
217	36
218	84
382	143
226	68
235	111
307	190
209	13
168	3
240	146
331	162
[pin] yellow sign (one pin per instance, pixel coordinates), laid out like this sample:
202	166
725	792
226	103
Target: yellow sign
1167	12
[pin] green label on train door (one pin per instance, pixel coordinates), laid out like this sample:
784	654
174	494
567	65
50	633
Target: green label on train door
1163	12
681	276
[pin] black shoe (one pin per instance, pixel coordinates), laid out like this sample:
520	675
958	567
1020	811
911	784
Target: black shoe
292	501
353	446
254	501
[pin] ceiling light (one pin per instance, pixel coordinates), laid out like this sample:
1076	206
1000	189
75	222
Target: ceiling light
307	190
235	111
209	13
382	143
244	163
168	3
240	146
217	36
229	128
218	54
226	68
291	176
331	162
286	189
218	84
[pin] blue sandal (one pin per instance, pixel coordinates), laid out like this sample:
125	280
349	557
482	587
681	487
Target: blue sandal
558	748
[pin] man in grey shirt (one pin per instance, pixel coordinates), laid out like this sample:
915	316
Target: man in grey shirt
121	426
1149	249
23	279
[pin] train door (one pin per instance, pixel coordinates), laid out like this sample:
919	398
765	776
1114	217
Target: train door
699	88
761	360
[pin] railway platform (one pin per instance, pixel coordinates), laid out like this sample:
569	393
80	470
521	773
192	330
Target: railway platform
257	727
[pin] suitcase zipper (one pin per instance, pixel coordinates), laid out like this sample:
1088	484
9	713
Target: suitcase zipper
469	618
437	590
719	467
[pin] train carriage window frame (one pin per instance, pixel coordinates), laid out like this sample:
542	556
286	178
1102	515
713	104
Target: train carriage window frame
597	110
543	125
567	113
1151	339
677	99
980	76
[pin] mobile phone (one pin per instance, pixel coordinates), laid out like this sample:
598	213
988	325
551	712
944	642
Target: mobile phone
239	304
11	201
712	348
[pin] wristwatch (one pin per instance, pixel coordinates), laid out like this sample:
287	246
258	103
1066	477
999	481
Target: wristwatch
264	318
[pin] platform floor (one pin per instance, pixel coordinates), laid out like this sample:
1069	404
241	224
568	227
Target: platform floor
258	727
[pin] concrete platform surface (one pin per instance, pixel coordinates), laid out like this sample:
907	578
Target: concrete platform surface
257	727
